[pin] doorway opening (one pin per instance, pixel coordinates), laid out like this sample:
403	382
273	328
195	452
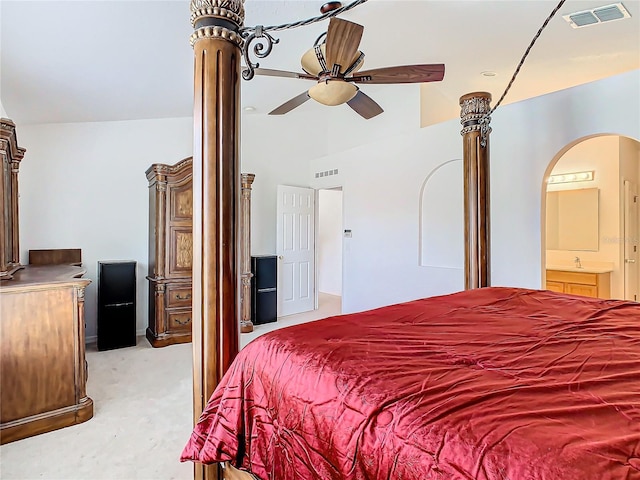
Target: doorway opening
329	250
591	219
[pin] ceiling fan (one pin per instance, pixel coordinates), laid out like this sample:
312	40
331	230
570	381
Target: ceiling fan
335	66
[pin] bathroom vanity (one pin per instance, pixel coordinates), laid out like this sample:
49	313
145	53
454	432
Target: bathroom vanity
588	282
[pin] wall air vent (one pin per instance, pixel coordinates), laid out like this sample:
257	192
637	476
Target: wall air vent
598	15
327	173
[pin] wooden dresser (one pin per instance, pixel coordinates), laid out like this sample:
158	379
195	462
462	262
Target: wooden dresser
587	283
42	358
170	253
43	365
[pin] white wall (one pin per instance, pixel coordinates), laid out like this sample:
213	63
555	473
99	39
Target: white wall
3	113
401	105
536	132
277	150
382	180
600	154
381	185
84	186
329	246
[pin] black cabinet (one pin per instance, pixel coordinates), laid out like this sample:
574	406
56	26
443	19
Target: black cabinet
264	294
116	304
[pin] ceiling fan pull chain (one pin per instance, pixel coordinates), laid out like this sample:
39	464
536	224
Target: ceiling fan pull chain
354	65
321	59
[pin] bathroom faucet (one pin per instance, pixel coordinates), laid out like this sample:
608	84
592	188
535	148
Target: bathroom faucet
578	263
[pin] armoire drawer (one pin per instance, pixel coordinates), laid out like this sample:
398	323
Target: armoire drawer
178	296
179	320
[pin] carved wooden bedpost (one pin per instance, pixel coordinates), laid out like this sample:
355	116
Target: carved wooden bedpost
216	43
475	133
246	326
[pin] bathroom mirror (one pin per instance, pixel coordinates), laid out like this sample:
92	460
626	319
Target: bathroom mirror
572	219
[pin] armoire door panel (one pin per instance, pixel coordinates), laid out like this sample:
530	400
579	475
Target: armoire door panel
181	251
181	202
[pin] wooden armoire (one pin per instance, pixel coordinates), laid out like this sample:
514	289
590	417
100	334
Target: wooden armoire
10	155
170	252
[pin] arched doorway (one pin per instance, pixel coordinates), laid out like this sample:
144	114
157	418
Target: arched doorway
591	218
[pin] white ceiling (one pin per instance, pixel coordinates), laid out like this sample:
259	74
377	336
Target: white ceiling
77	61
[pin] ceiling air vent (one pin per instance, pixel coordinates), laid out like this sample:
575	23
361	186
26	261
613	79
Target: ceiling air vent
598	15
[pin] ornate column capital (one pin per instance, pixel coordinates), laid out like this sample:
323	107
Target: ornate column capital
247	180
217	19
473	108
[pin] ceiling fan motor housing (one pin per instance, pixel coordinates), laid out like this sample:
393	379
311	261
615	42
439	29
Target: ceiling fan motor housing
329	90
315	63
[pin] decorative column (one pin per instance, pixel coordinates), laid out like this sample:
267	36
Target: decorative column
246	326
81	363
216	43
15	240
475	132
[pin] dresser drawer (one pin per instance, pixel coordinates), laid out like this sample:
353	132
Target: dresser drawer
178	296
179	320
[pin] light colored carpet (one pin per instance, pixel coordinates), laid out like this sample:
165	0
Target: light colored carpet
142	416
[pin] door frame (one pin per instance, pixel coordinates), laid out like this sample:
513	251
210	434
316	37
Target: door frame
627	194
315	243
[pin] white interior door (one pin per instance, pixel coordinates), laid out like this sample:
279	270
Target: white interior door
631	242
295	248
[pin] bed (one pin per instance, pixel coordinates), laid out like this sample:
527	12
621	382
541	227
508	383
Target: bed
491	383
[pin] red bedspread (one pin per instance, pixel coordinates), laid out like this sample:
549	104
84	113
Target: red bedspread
495	383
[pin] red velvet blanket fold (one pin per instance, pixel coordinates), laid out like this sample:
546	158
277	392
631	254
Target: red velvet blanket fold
494	383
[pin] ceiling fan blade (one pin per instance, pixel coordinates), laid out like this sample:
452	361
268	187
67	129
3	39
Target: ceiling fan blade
291	104
283	73
364	105
343	39
403	74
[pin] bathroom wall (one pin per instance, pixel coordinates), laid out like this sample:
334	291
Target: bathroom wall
602	155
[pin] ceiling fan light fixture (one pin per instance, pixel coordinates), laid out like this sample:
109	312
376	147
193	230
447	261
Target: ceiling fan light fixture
333	92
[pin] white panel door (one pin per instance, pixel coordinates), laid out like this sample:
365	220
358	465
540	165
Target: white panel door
631	243
295	249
